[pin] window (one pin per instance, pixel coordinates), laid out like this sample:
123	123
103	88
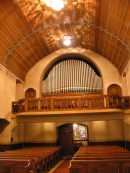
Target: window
79	132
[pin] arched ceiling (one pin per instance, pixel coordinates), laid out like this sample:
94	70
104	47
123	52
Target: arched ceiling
29	30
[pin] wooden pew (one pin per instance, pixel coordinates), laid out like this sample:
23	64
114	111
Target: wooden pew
101	157
100	166
100	160
54	152
51	154
16	166
102	149
44	158
36	161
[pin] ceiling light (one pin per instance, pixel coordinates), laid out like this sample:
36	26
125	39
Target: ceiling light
54	4
67	40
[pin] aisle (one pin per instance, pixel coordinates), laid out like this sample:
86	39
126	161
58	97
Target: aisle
61	167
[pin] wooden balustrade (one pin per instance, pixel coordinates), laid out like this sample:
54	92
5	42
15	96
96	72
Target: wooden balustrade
70	102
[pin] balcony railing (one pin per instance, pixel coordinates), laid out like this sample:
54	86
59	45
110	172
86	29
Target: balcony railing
70	102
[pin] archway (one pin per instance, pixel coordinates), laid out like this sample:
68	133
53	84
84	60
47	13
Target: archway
72	136
30	93
115	94
72	73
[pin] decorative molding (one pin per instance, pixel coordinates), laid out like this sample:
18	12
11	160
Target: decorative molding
45	26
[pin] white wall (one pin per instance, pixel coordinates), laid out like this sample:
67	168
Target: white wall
128	80
124	86
20	93
17	132
40	132
7	95
99	131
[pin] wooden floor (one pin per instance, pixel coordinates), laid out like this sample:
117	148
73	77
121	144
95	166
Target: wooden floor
61	167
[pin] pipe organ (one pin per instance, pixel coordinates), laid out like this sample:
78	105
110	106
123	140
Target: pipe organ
71	76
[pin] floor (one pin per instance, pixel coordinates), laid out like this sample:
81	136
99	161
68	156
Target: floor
62	166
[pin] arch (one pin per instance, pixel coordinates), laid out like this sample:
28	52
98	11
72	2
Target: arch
60	77
67	139
115	93
71	56
105	67
114	90
30	93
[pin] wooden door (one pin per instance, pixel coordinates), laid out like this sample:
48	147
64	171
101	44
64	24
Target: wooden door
65	138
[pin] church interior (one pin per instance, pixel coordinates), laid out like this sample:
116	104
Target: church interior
64	77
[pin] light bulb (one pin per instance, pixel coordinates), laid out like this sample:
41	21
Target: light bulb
67	42
55	4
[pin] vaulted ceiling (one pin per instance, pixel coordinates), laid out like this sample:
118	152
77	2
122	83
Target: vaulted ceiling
30	30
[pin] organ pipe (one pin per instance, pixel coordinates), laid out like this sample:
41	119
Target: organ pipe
72	76
84	78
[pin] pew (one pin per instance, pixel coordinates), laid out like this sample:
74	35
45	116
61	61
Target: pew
100	166
36	161
43	158
100	159
16	166
51	154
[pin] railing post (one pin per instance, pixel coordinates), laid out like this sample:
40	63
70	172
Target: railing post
26	105
52	103
129	102
79	102
106	101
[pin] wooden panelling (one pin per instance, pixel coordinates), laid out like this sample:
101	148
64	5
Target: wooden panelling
31	30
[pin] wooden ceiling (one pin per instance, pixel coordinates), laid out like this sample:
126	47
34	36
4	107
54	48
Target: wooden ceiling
29	30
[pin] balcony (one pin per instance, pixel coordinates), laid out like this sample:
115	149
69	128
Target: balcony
67	102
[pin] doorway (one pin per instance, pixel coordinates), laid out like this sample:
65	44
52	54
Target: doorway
67	137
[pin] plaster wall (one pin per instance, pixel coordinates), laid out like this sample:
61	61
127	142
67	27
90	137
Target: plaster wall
124	86
7	95
40	132
17	132
127	124
127	132
99	131
19	91
128	80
